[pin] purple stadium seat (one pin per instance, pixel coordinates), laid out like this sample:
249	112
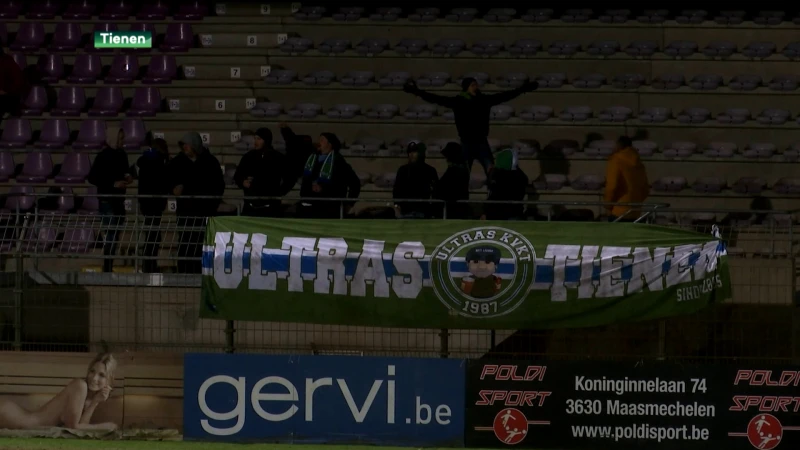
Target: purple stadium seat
10	9
110	27
21	60
90	204
20	198
192	11
50	67
142	26
64	202
161	70
124	70
16	133
30	37
82	10
91	136
86	70
55	134
71	101
78	240
67	37
75	168
36	103
117	10
146	102
37	168
43	10
107	102
7	166
135	133
157	10
178	38
39	238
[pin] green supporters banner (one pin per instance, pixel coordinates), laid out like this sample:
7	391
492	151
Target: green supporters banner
457	274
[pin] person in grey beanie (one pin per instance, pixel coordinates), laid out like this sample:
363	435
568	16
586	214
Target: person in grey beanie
472	110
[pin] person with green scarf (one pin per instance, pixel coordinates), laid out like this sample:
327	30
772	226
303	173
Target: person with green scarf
506	183
327	175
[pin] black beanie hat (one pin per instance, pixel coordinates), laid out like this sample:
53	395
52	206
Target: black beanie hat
466	82
266	135
336	144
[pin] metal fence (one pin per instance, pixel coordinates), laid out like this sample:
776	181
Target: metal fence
57	296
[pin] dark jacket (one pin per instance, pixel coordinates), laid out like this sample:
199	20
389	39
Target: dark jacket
110	166
201	177
153	180
472	114
298	149
13	83
454	186
267	167
344	183
506	185
415	181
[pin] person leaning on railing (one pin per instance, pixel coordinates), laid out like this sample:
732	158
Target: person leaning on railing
327	175
626	180
153	181
260	173
111	174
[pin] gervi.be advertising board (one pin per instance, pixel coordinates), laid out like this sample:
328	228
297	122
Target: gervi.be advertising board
336	399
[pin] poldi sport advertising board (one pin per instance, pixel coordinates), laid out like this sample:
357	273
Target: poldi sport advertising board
335	399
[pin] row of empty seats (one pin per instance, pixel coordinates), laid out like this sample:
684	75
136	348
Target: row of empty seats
87	69
112	10
531	47
703	82
541	15
55	134
108	102
68	37
537	113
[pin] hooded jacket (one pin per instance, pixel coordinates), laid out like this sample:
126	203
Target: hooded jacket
267	167
201	177
472	113
415	180
109	166
342	182
298	149
13	83
626	180
507	183
153	180
454	184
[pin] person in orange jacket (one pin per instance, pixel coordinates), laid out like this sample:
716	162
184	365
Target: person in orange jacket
626	180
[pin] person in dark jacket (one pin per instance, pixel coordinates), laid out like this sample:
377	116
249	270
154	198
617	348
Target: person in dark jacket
472	110
111	174
153	180
507	183
414	180
327	174
454	184
13	85
260	173
194	172
298	149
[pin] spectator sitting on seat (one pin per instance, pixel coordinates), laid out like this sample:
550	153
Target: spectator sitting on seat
454	184
626	181
414	180
472	110
260	173
327	174
298	149
506	183
111	173
153	181
194	172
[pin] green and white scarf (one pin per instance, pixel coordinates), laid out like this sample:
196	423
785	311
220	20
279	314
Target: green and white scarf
325	172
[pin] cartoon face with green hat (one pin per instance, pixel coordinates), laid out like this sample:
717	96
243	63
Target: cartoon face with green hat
482	262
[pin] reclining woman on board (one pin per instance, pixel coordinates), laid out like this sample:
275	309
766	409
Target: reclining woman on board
72	407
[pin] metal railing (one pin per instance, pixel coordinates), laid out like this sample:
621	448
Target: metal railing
57	297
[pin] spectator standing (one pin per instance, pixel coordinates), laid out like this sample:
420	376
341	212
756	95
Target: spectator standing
506	183
111	174
414	180
472	110
194	173
153	181
454	184
298	149
327	174
626	180
13	86
260	173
